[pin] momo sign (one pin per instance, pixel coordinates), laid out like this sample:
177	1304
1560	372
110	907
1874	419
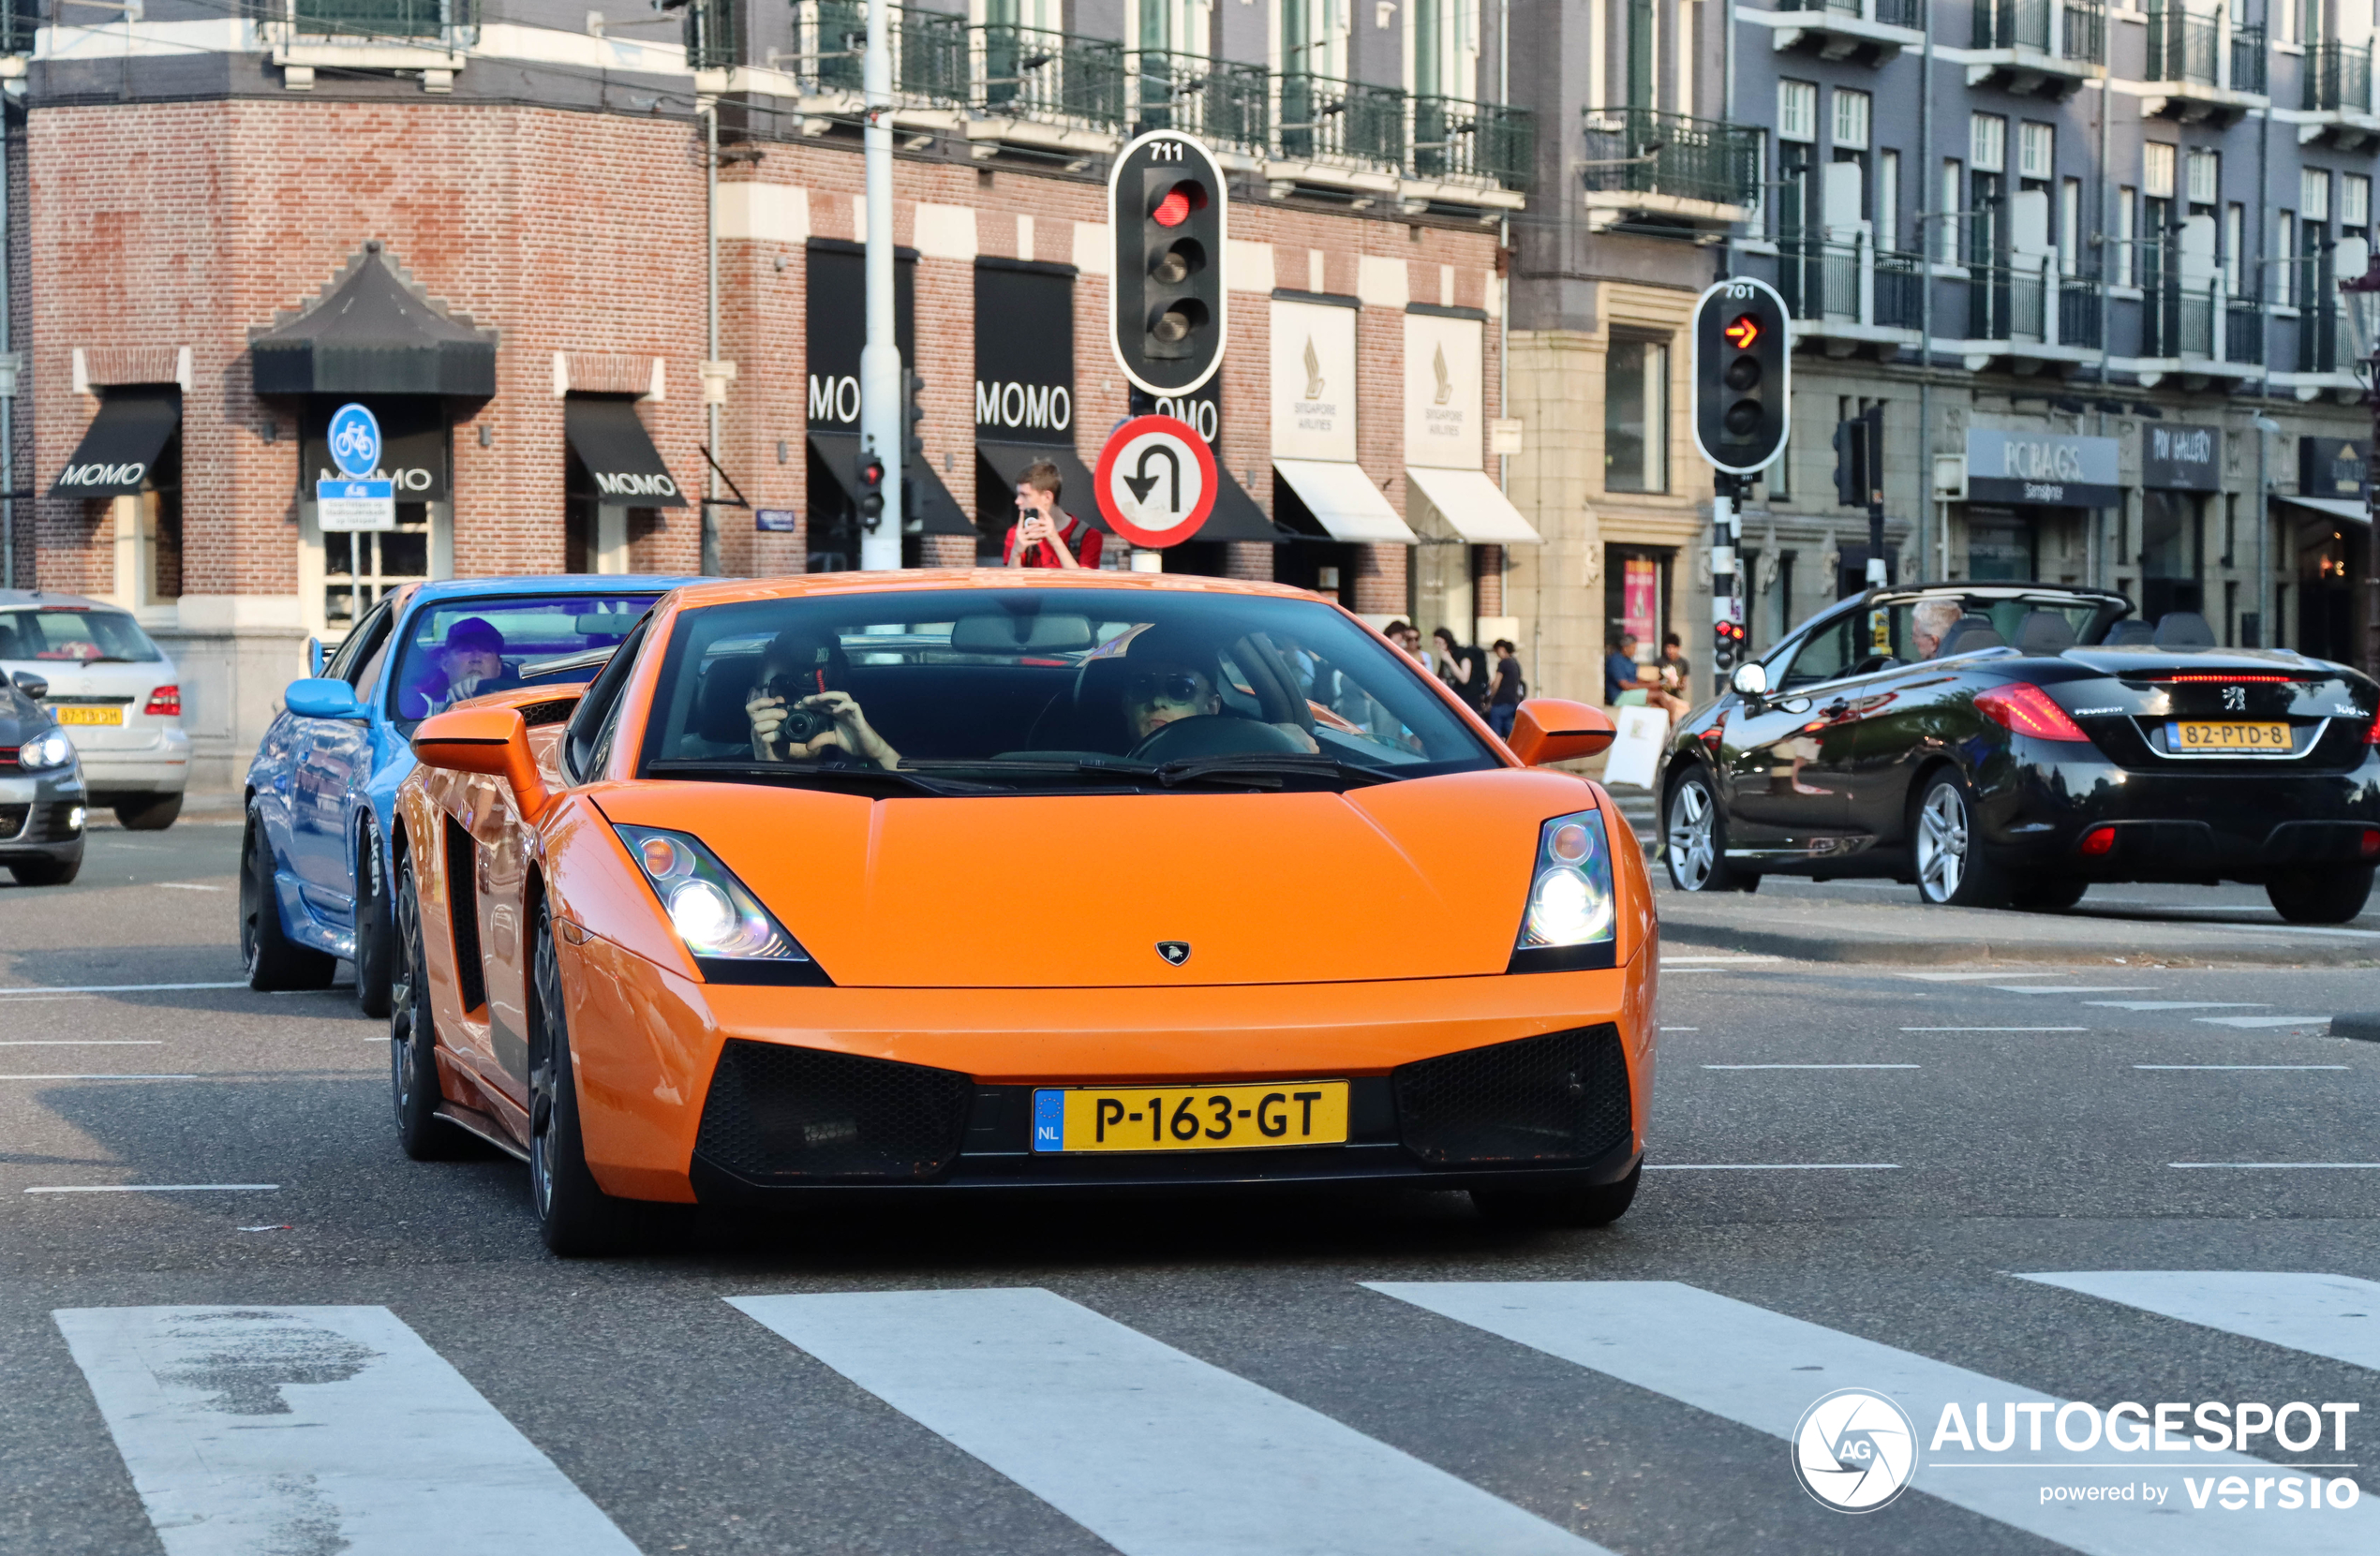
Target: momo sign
1024	352
2049	468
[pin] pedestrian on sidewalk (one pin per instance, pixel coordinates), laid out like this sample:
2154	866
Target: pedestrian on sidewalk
1620	687
1463	669
1045	534
1504	701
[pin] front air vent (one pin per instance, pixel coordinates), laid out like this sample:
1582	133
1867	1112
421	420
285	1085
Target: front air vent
463	907
1562	1097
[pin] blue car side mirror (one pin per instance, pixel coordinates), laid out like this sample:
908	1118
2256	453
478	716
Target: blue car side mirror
320	697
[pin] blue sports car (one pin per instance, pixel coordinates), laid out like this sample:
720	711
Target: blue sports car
314	865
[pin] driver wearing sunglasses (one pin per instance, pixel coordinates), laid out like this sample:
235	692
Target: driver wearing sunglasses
1156	697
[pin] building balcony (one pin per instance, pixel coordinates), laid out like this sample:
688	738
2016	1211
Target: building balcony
2337	97
2047	48
2028	318
1866	32
1847	299
2323	360
429	37
1668	174
2201	68
2190	332
19	20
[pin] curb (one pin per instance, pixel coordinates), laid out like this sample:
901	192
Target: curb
1917	953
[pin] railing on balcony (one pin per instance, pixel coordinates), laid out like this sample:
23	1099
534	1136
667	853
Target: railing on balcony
710	33
1900	280
450	21
2179	321
2243	330
1340	123
1228	106
1892	13
18	21
2078	311
1050	78
2339	79
1853	283
2086	26
1643	151
2029	302
2182	47
1452	139
2323	346
2248	59
2012	24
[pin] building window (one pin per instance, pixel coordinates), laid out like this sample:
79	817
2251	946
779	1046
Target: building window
1796	111
2036	150
2205	176
2157	170
2285	244
1953	186
2127	201
1987	142
1636	413
1888	201
2354	200
2313	193
1851	119
2068	225
2234	227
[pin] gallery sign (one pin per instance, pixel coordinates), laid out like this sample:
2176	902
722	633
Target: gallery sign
2049	468
2180	458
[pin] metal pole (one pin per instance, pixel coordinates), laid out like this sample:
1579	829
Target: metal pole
1725	605
708	542
2100	547
2264	391
9	405
1926	186
880	432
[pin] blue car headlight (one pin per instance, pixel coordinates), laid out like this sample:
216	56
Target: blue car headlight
45	752
1571	918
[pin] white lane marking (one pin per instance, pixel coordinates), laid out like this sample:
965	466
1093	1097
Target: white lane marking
1977	977
2240	1067
1811	1066
2325	1315
1995	1029
1154	1451
2086	988
189	886
2181	1004
2261	1021
83	1043
153	1188
111	988
1772	1167
2284	1166
1763	1370
1681	1029
251	1430
1667	958
44	999
98	1077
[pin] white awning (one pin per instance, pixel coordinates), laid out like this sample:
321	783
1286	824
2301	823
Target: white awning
1344	501
2338	508
1473	506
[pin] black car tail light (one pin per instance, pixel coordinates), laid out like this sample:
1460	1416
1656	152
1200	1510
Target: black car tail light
2099	840
2369	846
2025	708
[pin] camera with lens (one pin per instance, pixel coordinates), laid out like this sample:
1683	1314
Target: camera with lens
802	725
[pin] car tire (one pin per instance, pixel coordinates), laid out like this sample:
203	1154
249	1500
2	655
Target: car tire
1597	1205
575	1216
1952	871
47	872
272	960
372	931
2046	893
2333	895
413	1082
148	813
1694	838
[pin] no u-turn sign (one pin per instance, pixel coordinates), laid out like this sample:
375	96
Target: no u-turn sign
1157	480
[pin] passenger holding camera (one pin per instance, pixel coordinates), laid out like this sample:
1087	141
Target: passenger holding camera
800	714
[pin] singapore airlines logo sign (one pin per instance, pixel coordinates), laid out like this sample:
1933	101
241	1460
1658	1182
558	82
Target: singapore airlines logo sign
1446	382
1314	384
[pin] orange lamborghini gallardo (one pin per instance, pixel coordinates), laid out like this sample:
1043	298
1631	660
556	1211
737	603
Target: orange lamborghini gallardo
965	880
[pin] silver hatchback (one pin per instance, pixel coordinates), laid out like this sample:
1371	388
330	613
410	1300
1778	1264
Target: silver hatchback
112	691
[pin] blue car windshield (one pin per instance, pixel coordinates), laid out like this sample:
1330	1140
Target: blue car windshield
459	649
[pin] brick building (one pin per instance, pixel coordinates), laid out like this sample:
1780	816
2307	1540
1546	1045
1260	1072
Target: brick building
494	223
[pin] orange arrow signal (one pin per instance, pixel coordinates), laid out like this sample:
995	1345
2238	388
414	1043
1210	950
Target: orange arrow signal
1741	333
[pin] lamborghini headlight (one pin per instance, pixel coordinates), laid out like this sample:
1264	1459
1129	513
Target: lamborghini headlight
1570	904
710	909
43	752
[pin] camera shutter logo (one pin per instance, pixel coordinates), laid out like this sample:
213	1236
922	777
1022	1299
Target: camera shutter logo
1854	1451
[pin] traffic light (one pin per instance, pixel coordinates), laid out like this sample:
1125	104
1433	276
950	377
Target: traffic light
871	491
913	418
1743	375
1859	459
1166	207
1727	642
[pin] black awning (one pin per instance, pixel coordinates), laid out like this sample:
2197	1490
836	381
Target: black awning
939	512
373	333
1237	517
121	446
1077	495
618	453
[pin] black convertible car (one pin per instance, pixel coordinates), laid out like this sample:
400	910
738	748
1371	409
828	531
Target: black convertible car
2010	744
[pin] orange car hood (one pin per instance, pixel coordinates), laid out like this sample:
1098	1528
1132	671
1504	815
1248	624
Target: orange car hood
1414	880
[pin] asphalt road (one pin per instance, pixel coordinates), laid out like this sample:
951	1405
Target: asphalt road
1857	1167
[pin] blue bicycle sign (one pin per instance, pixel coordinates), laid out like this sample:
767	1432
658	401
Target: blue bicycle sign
355	440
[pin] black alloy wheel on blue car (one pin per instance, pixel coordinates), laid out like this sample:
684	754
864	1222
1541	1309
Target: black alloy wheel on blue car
269	958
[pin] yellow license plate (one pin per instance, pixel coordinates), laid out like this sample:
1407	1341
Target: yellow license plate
2265	738
1190	1118
89	715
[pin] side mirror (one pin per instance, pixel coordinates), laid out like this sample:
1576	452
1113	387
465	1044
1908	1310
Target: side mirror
30	684
1548	729
314	656
1750	678
319	698
490	740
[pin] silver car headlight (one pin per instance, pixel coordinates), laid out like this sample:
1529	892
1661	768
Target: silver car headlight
45	752
714	913
1572	918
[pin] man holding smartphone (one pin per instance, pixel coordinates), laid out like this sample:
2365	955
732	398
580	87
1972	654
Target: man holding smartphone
1046	535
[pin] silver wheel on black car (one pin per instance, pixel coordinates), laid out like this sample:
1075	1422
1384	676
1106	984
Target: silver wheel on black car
1695	841
1952	869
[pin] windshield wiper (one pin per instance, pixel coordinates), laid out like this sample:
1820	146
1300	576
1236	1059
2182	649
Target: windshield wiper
788	775
1258	767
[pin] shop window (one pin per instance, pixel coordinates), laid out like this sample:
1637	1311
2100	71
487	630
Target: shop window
2171	543
1636	410
359	568
1636	596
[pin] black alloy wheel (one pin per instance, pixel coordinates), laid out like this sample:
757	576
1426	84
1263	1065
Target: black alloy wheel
45	871
1952	871
372	932
1597	1205
269	958
1694	839
2321	896
413	1081
575	1216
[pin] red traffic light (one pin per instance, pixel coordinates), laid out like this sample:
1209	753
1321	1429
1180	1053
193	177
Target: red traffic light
873	472
1179	202
1742	331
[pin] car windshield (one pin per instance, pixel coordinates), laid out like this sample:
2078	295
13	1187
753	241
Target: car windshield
968	691
458	648
75	634
1906	631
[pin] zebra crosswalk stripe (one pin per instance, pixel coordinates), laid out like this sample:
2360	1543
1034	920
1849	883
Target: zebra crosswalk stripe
256	1431
2326	1315
1154	1450
1763	1370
